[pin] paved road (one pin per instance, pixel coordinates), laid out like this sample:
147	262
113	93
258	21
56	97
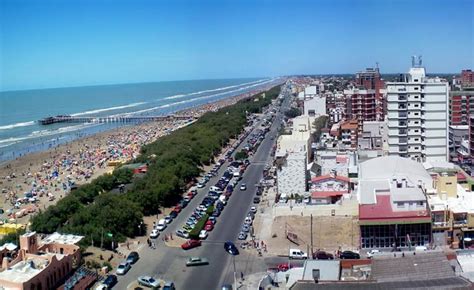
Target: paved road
169	263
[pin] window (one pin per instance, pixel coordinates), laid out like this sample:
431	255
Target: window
416	139
421	203
416	148
400	204
416	131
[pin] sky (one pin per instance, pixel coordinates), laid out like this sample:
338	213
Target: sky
47	43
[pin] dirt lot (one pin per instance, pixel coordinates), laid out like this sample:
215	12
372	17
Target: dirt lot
329	233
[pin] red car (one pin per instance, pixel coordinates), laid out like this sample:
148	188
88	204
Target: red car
284	267
191	244
209	226
177	208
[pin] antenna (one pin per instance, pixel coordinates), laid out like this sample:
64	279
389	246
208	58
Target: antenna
413	60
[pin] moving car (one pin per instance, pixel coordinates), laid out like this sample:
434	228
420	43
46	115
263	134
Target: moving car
231	248
284	267
148	281
123	268
190	244
132	257
203	234
197	261
349	255
154	234
322	255
243	186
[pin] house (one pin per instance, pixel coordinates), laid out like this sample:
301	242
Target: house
328	189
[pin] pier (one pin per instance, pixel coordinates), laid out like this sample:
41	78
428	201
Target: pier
117	119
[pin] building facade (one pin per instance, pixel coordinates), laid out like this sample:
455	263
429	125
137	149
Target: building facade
370	79
461	106
418	116
467	78
361	105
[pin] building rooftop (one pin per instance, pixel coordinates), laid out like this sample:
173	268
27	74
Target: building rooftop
24	270
64	239
382	211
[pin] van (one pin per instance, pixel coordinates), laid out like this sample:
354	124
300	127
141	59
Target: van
297	254
421	249
161	225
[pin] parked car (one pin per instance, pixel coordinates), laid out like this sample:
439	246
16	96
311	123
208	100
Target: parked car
123	268
110	281
203	234
173	214
226	287
132	257
245	228
253	209
349	255
209	226
190	244
148	281
322	255
297	254
372	253
231	248
169	286
154	234
256	200
182	234
201	185
242	236
168	219
197	261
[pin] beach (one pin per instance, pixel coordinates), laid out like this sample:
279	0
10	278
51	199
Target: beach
38	180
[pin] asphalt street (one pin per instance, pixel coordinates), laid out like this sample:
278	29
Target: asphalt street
169	263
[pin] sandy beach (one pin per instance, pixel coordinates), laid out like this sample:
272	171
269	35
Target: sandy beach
40	179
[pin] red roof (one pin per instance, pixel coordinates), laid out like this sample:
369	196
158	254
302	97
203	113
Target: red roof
328	176
316	194
382	211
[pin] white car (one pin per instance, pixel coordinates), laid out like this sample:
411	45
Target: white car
161	225
154	234
148	281
123	268
201	185
243	186
253	209
203	234
168	219
372	253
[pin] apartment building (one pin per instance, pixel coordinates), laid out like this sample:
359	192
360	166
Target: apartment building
361	105
418	116
467	78
370	79
349	133
461	106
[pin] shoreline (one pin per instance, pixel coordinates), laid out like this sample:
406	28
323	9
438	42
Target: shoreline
48	175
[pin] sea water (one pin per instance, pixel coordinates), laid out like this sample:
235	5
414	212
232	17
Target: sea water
20	132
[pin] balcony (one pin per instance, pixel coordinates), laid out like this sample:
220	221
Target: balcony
402	115
403	141
402	132
402	124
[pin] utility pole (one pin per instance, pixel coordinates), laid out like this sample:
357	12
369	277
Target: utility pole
311	231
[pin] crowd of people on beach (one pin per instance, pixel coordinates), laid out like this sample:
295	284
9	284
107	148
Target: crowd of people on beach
39	185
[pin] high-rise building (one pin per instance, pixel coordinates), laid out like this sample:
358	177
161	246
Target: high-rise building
418	116
467	78
370	79
361	105
461	106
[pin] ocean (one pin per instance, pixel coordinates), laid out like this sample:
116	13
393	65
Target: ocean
20	133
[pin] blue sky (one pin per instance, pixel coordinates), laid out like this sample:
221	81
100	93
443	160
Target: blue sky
69	43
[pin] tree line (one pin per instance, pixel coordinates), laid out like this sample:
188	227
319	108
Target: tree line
105	216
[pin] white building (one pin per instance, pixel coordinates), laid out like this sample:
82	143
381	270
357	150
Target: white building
291	175
315	107
417	113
